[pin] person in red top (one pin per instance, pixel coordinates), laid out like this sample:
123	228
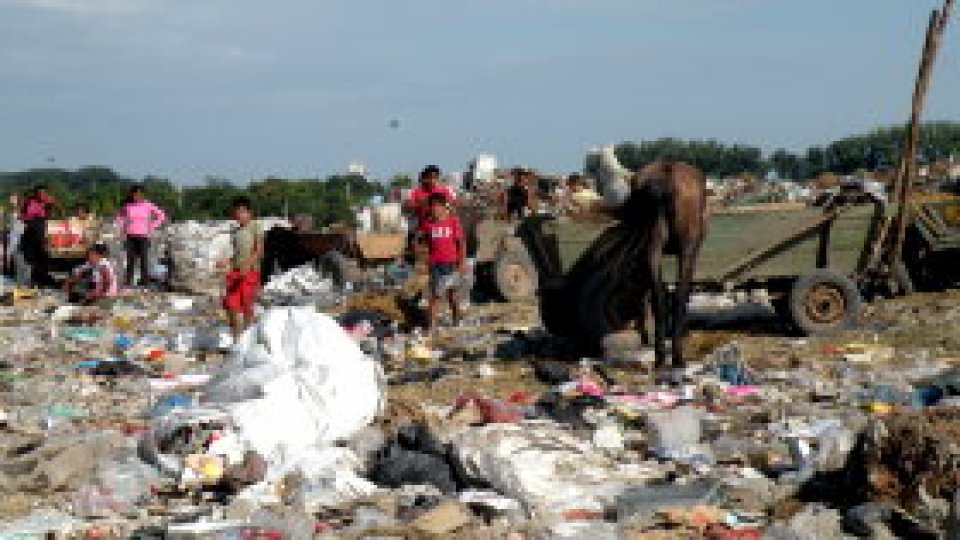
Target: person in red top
444	237
419	204
33	243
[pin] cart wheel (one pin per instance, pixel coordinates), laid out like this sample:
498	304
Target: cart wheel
824	302
335	266
515	275
606	308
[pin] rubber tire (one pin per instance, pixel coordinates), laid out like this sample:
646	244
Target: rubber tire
503	274
804	286
598	316
335	265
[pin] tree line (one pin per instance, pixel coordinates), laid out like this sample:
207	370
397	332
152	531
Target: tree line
874	151
103	191
331	199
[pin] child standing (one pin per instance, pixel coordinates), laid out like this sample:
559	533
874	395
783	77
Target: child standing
445	241
139	219
243	280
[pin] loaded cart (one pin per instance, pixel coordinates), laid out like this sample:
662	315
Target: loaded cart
344	255
814	262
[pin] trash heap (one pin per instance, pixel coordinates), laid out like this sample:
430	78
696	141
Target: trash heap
300	286
145	420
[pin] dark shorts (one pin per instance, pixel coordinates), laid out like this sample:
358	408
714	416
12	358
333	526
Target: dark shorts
443	277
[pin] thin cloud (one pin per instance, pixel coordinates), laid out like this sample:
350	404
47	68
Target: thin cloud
83	7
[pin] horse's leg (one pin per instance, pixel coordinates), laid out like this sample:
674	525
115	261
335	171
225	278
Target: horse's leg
685	274
658	295
646	320
659	309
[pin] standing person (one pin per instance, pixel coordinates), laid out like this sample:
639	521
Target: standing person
444	237
33	242
243	280
12	228
518	199
94	280
139	218
430	184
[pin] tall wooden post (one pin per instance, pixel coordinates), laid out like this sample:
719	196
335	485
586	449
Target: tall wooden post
903	187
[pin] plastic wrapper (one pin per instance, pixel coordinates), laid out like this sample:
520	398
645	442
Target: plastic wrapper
117	489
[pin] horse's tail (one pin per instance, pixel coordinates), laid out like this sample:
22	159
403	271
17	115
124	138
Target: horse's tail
622	250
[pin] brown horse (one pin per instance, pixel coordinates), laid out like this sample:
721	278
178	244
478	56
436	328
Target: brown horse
667	210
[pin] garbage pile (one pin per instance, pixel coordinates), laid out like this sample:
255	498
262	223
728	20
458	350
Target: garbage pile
145	420
302	285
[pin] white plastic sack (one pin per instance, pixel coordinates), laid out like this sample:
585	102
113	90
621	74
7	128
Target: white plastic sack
545	468
314	386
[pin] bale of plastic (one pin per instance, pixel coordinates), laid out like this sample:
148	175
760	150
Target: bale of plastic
195	248
295	385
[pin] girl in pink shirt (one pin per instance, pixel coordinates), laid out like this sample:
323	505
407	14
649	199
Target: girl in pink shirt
139	218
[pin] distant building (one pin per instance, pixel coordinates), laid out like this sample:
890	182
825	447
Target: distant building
357	169
481	170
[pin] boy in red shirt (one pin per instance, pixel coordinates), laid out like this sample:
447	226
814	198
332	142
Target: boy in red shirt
444	238
419	204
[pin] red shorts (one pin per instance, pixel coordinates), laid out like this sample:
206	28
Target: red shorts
242	288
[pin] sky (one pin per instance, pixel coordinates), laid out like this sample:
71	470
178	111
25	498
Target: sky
243	89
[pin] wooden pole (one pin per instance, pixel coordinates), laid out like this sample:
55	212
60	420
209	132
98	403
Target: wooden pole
908	167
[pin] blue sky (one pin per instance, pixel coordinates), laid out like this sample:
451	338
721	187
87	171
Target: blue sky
243	89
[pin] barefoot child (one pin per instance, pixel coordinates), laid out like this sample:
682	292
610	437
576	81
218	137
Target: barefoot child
444	237
243	280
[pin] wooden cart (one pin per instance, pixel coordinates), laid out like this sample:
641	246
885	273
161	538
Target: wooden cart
814	262
343	255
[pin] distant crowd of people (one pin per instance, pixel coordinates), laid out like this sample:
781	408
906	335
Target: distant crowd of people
96	280
436	226
436	233
28	246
